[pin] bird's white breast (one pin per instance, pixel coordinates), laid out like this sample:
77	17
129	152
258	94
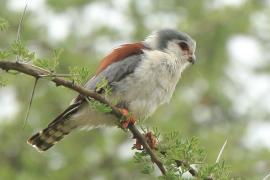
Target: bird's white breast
151	85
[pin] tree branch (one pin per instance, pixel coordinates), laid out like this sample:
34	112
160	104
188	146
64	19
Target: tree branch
40	73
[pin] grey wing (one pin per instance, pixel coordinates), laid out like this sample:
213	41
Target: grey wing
113	73
116	71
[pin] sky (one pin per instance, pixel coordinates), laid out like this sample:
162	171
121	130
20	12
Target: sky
245	53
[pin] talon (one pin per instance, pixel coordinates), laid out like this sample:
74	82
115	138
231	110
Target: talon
124	124
129	118
138	145
123	111
151	141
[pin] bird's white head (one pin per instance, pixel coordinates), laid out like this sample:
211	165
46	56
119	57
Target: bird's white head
173	42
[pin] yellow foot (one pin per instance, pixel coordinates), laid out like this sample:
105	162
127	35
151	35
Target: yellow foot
130	119
151	140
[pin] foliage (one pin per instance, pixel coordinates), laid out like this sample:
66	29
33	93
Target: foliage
4	25
216	171
104	87
2	82
176	148
179	155
79	74
19	49
203	104
4	54
49	63
144	161
98	106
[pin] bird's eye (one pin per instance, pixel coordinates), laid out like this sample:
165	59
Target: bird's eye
183	46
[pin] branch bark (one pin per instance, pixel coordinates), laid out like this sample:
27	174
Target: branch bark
40	73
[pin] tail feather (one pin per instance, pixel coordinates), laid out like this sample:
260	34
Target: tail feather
46	138
55	131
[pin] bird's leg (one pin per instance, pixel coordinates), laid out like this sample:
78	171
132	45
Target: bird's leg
151	140
149	136
130	119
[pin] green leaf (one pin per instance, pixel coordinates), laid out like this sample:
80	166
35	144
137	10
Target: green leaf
144	161
4	24
216	171
5	54
49	63
2	82
98	106
104	86
42	62
79	74
56	57
19	49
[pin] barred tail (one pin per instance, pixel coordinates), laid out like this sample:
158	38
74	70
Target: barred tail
56	130
49	136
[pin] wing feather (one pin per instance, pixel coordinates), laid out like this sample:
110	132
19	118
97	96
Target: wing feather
119	54
116	66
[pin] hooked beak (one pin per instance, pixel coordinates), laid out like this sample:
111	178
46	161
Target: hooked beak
192	59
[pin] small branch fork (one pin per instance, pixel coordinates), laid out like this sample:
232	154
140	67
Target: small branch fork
37	72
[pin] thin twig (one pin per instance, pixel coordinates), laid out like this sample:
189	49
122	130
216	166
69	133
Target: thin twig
39	72
191	170
18	38
30	102
58	75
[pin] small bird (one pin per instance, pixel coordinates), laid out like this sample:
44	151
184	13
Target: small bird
142	76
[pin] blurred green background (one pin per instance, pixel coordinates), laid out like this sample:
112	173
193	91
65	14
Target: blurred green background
225	95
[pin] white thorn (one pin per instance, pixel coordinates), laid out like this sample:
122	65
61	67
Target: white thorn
266	177
221	151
